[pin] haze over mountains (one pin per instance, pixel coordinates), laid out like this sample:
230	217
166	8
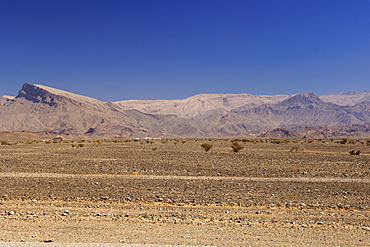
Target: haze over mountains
44	110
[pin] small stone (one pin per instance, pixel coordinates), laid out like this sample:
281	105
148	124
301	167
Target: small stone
11	213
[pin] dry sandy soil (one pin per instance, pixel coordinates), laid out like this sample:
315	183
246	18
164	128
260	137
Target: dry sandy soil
175	193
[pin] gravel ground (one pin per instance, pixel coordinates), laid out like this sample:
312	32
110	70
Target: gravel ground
178	194
82	245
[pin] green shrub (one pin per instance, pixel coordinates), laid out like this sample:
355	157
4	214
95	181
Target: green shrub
206	146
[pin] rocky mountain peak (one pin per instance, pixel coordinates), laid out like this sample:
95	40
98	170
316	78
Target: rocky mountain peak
304	98
52	96
36	94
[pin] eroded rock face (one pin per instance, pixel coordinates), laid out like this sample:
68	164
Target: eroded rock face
36	95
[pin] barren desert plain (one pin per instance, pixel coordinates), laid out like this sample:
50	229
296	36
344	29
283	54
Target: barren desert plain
173	192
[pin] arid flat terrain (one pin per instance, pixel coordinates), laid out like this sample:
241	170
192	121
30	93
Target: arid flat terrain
172	192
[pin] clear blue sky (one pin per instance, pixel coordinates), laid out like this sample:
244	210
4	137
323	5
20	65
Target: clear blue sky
172	49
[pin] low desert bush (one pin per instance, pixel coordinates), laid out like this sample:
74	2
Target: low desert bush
236	146
297	148
206	146
4	142
353	152
343	141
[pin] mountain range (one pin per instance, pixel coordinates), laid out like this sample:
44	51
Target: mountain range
48	111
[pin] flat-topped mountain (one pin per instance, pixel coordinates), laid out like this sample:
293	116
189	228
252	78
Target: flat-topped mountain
45	110
200	105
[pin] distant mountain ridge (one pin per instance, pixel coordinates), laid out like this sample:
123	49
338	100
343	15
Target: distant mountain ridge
201	104
45	110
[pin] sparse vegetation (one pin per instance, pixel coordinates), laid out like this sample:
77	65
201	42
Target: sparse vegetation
353	152
206	146
130	175
4	142
343	141
297	148
236	146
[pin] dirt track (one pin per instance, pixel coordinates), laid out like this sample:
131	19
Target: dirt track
179	194
153	177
